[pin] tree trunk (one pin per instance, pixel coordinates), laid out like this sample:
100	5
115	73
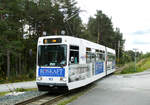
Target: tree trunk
8	64
16	66
19	63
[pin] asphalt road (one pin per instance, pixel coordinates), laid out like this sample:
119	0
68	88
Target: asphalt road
132	89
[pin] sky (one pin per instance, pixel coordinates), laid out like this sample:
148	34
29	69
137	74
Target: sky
131	16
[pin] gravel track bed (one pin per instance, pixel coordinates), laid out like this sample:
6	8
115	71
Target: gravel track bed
11	99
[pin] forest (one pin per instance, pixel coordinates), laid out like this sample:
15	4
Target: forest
22	22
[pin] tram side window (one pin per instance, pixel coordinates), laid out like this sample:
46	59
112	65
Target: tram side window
100	57
93	57
88	57
74	55
111	57
97	57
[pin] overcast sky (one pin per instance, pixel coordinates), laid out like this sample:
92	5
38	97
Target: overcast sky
131	16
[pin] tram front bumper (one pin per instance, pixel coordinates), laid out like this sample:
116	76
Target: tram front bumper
51	84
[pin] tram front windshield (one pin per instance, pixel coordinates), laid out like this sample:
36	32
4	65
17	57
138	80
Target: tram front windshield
52	55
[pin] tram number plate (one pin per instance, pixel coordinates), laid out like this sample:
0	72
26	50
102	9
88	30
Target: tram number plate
51	79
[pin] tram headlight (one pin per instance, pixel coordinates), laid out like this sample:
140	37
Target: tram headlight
39	79
63	79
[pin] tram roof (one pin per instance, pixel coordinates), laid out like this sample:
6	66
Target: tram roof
73	39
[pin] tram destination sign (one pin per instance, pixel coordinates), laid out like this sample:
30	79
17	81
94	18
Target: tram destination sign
52	40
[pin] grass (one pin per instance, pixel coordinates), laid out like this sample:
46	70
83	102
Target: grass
76	95
15	81
18	90
24	76
144	65
141	66
3	93
23	90
69	100
20	78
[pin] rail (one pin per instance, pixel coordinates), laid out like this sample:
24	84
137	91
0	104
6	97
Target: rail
48	99
45	99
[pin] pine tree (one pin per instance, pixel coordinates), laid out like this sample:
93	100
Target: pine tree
10	29
73	23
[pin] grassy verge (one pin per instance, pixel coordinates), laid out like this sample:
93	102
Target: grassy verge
76	95
18	90
14	80
27	76
3	93
141	66
23	90
65	102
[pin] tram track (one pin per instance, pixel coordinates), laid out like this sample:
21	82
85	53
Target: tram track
45	99
51	98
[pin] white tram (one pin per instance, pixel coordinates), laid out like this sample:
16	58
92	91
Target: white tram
65	62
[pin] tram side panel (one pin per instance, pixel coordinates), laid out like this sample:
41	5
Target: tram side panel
79	74
85	72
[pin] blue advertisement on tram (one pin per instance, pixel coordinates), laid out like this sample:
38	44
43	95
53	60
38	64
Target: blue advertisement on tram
99	67
113	64
52	72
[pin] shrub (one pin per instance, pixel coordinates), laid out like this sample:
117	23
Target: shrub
142	65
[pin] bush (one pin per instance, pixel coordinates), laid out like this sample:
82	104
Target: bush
19	89
142	65
129	69
31	74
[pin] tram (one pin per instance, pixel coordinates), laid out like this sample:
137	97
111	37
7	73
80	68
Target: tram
65	62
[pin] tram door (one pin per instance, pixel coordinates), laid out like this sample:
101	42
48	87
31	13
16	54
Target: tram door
90	60
73	63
